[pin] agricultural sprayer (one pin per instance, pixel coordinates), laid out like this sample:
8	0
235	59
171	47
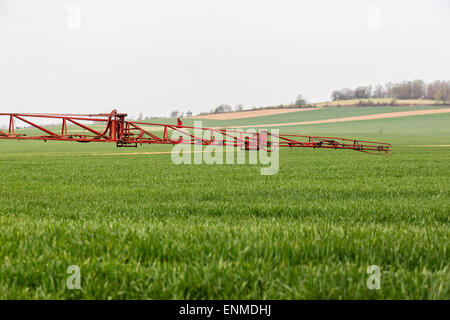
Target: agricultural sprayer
113	127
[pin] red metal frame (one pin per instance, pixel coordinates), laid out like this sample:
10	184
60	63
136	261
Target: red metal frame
131	133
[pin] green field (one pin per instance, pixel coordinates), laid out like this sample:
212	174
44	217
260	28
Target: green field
140	227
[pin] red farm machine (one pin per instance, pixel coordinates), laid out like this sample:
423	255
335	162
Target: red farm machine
113	127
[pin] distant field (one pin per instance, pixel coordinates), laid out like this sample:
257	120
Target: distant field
141	227
308	115
341	103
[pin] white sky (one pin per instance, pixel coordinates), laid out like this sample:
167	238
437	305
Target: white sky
157	56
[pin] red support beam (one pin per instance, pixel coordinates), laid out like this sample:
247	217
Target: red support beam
64	128
36	126
144	131
11	125
99	134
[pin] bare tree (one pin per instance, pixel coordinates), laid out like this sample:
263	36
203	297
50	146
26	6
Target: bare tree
388	90
418	89
301	101
362	92
378	92
438	90
336	95
446	91
222	108
432	89
174	114
347	94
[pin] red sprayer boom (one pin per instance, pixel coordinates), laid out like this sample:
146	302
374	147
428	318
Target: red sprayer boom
114	128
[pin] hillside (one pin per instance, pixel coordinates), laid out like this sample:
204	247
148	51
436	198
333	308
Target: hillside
266	111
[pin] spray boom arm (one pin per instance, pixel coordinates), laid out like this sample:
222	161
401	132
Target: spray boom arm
113	127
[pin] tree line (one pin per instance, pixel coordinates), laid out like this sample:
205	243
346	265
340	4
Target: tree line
416	89
438	90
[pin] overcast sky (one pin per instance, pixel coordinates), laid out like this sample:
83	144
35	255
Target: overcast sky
156	56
